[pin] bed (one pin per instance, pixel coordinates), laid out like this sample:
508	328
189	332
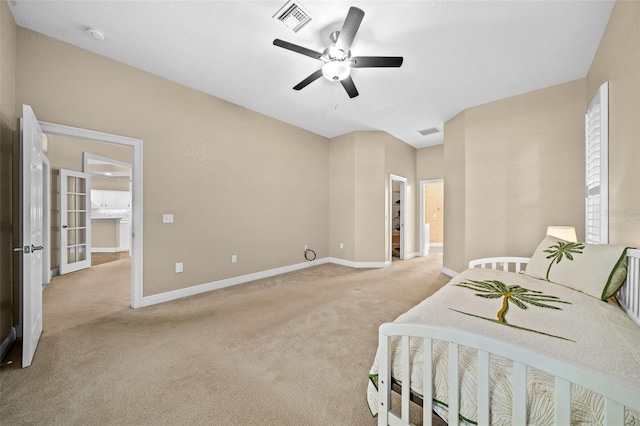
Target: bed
552	352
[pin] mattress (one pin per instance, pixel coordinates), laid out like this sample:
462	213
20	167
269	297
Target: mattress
548	318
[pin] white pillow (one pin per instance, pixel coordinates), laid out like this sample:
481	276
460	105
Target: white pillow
598	270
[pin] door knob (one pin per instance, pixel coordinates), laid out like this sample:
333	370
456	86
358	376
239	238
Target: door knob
64	226
34	248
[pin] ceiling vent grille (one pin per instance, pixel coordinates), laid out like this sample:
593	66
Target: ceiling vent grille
430	131
293	16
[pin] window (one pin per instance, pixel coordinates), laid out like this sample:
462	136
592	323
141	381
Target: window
597	168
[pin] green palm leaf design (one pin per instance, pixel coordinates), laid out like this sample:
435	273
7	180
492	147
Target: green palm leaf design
560	250
519	296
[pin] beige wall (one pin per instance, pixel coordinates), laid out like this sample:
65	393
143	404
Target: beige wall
455	206
342	184
8	126
360	164
523	170
370	235
109	184
68	153
618	62
237	182
430	162
105	233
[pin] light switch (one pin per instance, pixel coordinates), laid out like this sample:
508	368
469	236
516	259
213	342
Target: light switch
167	218
179	267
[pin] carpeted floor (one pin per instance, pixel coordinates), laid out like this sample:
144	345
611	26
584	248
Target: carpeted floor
291	349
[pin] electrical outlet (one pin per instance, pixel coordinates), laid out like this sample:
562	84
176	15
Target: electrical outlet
234	258
341	245
167	218
179	267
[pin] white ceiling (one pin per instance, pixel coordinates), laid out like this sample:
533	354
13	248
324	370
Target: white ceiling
457	54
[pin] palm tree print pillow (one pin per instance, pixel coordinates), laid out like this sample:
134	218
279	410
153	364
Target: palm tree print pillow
598	270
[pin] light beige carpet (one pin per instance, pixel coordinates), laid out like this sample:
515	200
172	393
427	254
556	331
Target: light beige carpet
291	349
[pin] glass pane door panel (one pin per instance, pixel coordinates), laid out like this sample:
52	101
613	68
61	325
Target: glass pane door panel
71	202
80	185
71	184
71	255
81	236
81	220
80	202
71	237
71	219
81	253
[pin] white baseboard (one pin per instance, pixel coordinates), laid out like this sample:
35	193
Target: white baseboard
216	285
7	343
352	264
448	272
105	249
411	255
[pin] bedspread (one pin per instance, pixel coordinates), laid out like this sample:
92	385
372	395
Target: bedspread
542	316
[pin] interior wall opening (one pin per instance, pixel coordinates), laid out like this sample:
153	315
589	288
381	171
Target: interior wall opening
432	216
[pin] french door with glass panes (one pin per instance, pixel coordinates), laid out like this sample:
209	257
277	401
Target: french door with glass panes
75	221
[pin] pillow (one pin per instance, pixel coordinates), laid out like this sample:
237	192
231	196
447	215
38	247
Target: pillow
598	270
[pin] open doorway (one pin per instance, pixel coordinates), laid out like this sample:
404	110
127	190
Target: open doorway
432	215
110	195
86	230
397	214
83	150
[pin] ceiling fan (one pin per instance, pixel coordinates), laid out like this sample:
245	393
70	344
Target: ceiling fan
337	57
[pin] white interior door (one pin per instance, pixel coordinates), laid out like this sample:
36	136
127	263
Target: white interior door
31	232
75	221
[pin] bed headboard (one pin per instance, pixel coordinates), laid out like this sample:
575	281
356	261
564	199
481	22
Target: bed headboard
629	294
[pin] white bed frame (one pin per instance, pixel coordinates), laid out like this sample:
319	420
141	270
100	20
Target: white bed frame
617	396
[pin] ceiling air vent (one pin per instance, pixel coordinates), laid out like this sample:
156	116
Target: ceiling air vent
293	16
430	131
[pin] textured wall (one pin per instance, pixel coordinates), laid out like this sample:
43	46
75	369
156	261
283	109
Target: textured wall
8	126
238	183
430	162
522	170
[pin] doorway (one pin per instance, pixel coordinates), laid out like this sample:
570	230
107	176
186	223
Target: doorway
134	146
431	214
397	214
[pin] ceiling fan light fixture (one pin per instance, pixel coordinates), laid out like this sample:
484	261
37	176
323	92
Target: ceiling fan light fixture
336	70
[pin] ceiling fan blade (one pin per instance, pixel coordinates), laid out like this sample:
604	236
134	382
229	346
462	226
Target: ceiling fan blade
297	49
349	29
304	83
376	61
348	85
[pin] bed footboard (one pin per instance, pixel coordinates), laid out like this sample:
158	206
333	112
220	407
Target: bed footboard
616	395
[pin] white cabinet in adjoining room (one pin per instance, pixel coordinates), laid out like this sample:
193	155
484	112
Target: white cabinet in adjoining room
110	200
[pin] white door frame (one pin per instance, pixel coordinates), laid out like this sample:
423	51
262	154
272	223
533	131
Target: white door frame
403	212
46	221
423	234
136	205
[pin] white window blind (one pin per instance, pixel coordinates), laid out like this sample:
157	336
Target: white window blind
597	168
